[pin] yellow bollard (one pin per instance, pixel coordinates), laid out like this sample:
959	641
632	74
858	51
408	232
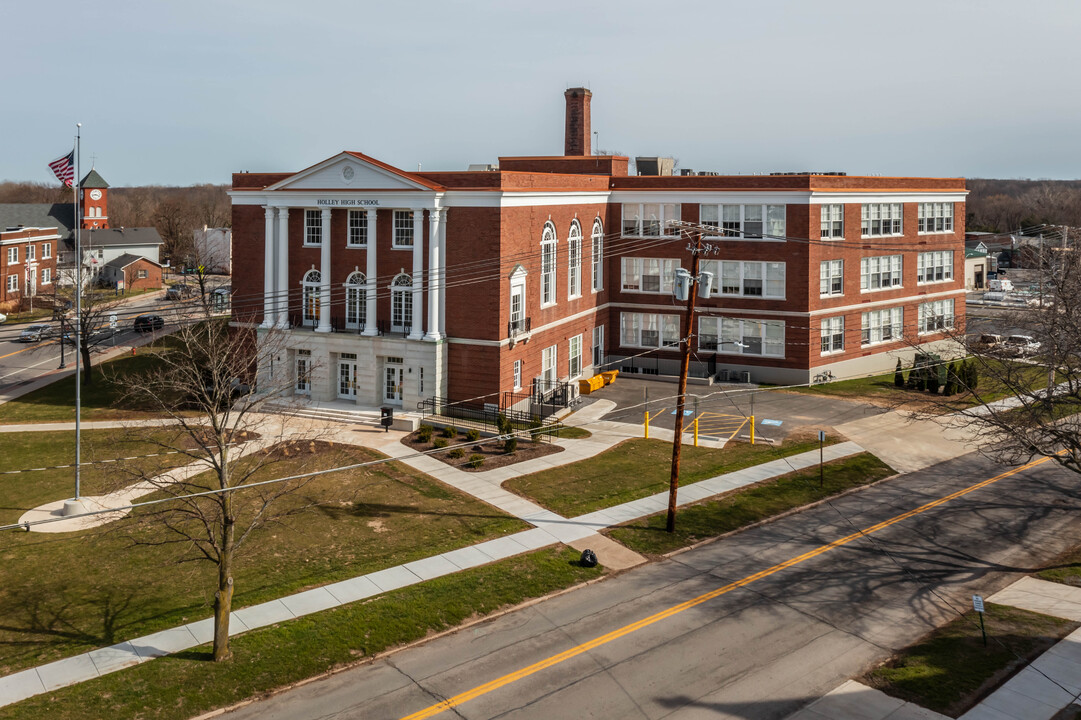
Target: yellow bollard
696	432
647	425
752	429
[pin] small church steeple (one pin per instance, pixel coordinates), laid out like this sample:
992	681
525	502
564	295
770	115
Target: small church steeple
94	200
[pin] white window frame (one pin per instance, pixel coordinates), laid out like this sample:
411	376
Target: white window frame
517	375
550	365
597	238
142	274
935	218
401	303
13	255
311	299
46	251
882	326
31	253
936	316
598	347
313	228
650	219
648	330
635	270
356	300
832	221
881	272
833	335
13	283
517	290
831	278
741	336
357	229
742	275
574	261
765	221
881	219
574	357
404	234
302	373
935	266
46	276
548	266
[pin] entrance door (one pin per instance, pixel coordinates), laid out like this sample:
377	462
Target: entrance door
392	387
347	379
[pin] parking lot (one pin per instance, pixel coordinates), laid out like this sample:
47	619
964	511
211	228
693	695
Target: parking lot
723	409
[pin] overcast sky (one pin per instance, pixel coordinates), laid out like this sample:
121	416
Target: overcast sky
187	92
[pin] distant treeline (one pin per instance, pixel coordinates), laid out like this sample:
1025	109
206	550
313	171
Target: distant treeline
174	211
1006	205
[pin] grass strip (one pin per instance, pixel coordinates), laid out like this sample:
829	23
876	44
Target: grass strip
639	468
188	683
950	670
744	507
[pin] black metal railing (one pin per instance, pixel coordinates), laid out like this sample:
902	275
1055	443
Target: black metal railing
527	424
518	327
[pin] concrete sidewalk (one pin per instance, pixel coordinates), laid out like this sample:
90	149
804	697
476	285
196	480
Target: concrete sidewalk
549	529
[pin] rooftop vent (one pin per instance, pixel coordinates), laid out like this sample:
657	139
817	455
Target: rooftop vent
483	167
810	172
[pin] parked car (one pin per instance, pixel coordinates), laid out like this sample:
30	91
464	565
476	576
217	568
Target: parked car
3	318
179	292
1020	346
148	323
36	333
987	341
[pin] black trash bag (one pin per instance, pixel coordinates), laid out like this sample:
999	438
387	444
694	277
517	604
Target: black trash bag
589	558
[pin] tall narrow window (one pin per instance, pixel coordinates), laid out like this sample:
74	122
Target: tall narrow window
358	229
356	301
598	255
517	374
310	292
574	367
574	261
313	227
403	228
832	221
401	303
304	372
548	266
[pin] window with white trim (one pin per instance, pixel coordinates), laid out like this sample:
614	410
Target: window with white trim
833	334
356	300
303	372
832	221
313	227
549	369
358	229
936	316
574	261
741	336
46	276
13	255
31	252
403	229
517	374
649	275
142	273
598	255
650	219
46	251
13	283
831	279
598	348
747	221
548	266
933	267
736	278
401	303
311	296
880	219
879	326
517	304
880	272
648	330
935	218
574	368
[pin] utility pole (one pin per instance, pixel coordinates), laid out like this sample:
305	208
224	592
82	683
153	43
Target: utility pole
684	366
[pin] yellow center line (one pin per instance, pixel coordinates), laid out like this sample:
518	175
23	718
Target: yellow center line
686	605
19	351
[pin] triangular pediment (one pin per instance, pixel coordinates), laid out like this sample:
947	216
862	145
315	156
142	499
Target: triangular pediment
353	171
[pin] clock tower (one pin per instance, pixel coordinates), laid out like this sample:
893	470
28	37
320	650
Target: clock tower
94	201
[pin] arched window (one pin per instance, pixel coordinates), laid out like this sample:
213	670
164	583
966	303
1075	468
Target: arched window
356	301
598	255
574	261
401	303
310	292
548	265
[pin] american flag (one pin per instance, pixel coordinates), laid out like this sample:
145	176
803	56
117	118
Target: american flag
64	168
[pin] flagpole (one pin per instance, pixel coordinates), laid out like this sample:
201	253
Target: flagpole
75	507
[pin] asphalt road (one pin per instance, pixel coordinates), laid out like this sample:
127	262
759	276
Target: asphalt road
757	651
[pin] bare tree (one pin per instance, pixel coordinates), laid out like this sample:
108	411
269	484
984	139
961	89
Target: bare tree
204	382
93	327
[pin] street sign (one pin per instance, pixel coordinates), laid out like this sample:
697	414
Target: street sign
773	423
821	436
977	603
112	321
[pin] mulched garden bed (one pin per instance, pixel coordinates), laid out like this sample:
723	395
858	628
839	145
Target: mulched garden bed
494	456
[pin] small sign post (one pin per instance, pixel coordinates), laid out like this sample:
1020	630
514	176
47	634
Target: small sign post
977	605
821	452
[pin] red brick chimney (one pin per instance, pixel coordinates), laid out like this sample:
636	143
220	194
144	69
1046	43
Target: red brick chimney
576	140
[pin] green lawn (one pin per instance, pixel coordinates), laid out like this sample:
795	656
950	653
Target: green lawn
636	469
183	685
65	594
739	509
951	670
1066	569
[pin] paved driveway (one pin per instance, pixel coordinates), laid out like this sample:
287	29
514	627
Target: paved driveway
723	408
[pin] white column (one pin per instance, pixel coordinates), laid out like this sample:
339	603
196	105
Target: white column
370	277
435	273
268	270
443	274
281	290
324	274
417	331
